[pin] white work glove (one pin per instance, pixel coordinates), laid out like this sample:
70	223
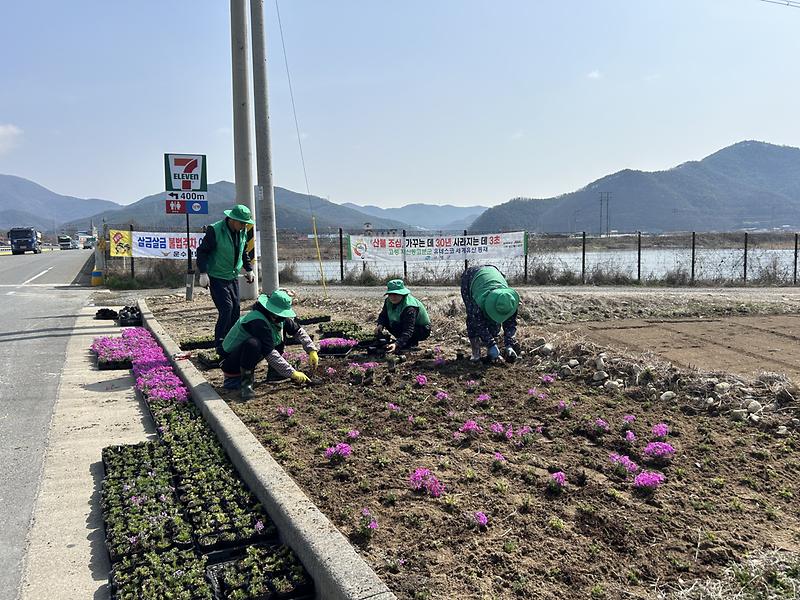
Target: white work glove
204	280
249	277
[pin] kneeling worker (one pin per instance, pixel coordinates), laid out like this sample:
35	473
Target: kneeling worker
258	335
404	317
490	303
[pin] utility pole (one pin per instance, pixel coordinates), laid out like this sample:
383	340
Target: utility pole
242	143
604	196
266	199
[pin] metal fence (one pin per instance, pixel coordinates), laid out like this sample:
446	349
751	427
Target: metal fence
681	258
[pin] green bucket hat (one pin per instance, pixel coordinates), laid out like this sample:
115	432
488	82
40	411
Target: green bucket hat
396	286
279	303
500	304
240	213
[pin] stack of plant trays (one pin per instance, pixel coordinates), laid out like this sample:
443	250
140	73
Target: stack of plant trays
179	521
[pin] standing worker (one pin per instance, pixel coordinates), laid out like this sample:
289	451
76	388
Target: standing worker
404	317
260	335
220	257
490	303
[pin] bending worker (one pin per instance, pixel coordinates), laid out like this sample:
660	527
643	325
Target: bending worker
490	303
220	257
260	335
404	317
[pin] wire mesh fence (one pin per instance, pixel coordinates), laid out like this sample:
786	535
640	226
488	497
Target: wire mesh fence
681	258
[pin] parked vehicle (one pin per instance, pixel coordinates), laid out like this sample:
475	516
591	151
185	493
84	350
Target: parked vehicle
25	239
67	243
89	243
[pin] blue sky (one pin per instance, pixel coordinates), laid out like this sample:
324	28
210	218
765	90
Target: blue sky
442	101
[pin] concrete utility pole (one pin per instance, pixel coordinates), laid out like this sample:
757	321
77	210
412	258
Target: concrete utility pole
242	144
266	201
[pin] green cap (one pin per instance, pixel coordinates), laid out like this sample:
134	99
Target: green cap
279	303
396	286
500	304
240	213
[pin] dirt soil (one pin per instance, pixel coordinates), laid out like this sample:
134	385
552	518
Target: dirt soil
730	489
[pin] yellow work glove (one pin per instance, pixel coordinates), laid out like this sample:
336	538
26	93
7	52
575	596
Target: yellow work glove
313	359
300	377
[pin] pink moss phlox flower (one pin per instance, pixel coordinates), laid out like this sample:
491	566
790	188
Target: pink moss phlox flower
548	378
481	519
624	462
648	480
630	437
339	451
497	428
559	478
286	411
470	428
483	399
410	418
442	396
423	480
354	434
421	380
563	408
660	430
330	371
259	526
629	419
499	457
601	425
338	343
392	407
525	430
471	384
510	432
659	450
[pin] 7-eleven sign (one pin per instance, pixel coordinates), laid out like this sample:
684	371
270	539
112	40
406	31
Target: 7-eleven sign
185	172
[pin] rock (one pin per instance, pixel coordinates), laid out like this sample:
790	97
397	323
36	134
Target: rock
566	371
667	396
612	386
739	414
599	376
755	418
546	350
782	430
600	363
573	363
754	407
722	388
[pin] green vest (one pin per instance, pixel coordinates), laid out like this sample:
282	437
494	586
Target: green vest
225	261
237	335
394	311
486	280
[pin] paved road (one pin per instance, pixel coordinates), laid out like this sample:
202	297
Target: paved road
39	308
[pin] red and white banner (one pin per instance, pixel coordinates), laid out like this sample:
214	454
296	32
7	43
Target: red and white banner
492	246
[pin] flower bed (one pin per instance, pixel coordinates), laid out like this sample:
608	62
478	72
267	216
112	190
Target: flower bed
335	346
172	574
118	352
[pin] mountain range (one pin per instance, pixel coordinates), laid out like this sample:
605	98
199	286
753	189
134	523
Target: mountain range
749	185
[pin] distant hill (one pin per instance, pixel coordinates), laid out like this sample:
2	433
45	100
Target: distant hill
438	217
748	185
292	212
25	203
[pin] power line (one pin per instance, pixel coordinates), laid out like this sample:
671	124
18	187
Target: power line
792	3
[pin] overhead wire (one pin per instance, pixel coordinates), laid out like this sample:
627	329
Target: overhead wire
302	155
792	3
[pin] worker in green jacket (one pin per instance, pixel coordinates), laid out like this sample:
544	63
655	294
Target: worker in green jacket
490	302
404	317
220	257
260	335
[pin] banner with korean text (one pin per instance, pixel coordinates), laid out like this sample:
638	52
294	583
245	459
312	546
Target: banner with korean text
146	244
493	246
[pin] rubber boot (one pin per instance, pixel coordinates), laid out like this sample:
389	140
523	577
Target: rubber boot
475	344
247	385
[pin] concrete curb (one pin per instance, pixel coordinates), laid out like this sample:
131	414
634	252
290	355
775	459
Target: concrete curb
337	569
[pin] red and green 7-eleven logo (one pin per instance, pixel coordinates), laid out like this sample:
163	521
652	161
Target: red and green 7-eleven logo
185	172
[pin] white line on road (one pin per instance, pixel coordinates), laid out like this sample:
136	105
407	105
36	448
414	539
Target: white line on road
26	282
10	293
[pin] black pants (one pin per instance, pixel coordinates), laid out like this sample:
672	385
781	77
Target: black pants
421	332
245	357
225	295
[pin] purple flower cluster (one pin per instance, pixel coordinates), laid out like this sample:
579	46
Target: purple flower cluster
354	434
481	519
601	426
548	378
155	378
630	437
368	523
338	452
135	342
338	343
534	393
564	408
422	480
285	411
421	380
557	482
623	463
660	430
483	399
470	428
442	396
498	457
648	480
659	450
